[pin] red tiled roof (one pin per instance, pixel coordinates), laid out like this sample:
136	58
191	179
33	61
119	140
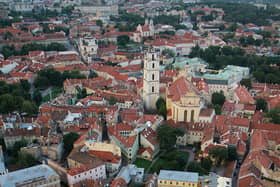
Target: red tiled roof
127	141
179	88
118	182
244	96
150	135
78	170
206	112
106	156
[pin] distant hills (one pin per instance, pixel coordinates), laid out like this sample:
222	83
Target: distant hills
246	1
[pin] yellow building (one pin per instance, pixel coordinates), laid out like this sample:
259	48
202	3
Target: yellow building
183	101
168	178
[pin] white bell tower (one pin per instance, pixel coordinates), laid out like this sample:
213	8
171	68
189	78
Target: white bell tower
151	80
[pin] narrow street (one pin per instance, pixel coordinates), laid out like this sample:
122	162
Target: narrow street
239	163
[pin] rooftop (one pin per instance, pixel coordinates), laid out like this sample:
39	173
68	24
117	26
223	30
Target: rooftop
24	176
178	176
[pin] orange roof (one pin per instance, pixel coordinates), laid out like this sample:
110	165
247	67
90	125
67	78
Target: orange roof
274	102
118	182
244	96
76	171
179	88
150	135
106	156
127	141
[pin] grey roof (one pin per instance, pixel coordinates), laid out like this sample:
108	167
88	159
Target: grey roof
216	81
178	176
24	175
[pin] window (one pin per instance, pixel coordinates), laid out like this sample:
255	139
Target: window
153	65
153	57
153	77
153	89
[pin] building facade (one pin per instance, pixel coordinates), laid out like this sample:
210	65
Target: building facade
183	101
88	48
151	80
168	178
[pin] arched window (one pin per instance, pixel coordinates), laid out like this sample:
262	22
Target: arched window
185	116
192	115
153	76
153	89
153	65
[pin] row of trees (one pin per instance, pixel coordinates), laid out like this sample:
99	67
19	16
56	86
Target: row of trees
247	13
169	20
51	77
131	21
10	50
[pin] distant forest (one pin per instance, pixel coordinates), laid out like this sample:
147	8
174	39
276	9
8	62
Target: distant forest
246	1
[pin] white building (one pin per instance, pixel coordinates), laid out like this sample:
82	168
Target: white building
39	176
143	31
151	80
22	6
88	48
131	173
3	169
82	173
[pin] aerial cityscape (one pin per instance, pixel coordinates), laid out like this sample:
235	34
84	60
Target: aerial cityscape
140	93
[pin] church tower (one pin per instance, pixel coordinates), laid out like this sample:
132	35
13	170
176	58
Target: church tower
151	80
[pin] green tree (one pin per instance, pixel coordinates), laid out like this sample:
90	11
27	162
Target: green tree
92	74
17	145
112	100
82	94
218	109
232	153
161	107
25	84
206	163
196	167
68	141
99	23
220	154
8	35
274	113
67	10
261	104
25	160
122	40
247	83
218	98
37	97
168	52
29	107
168	135
259	75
